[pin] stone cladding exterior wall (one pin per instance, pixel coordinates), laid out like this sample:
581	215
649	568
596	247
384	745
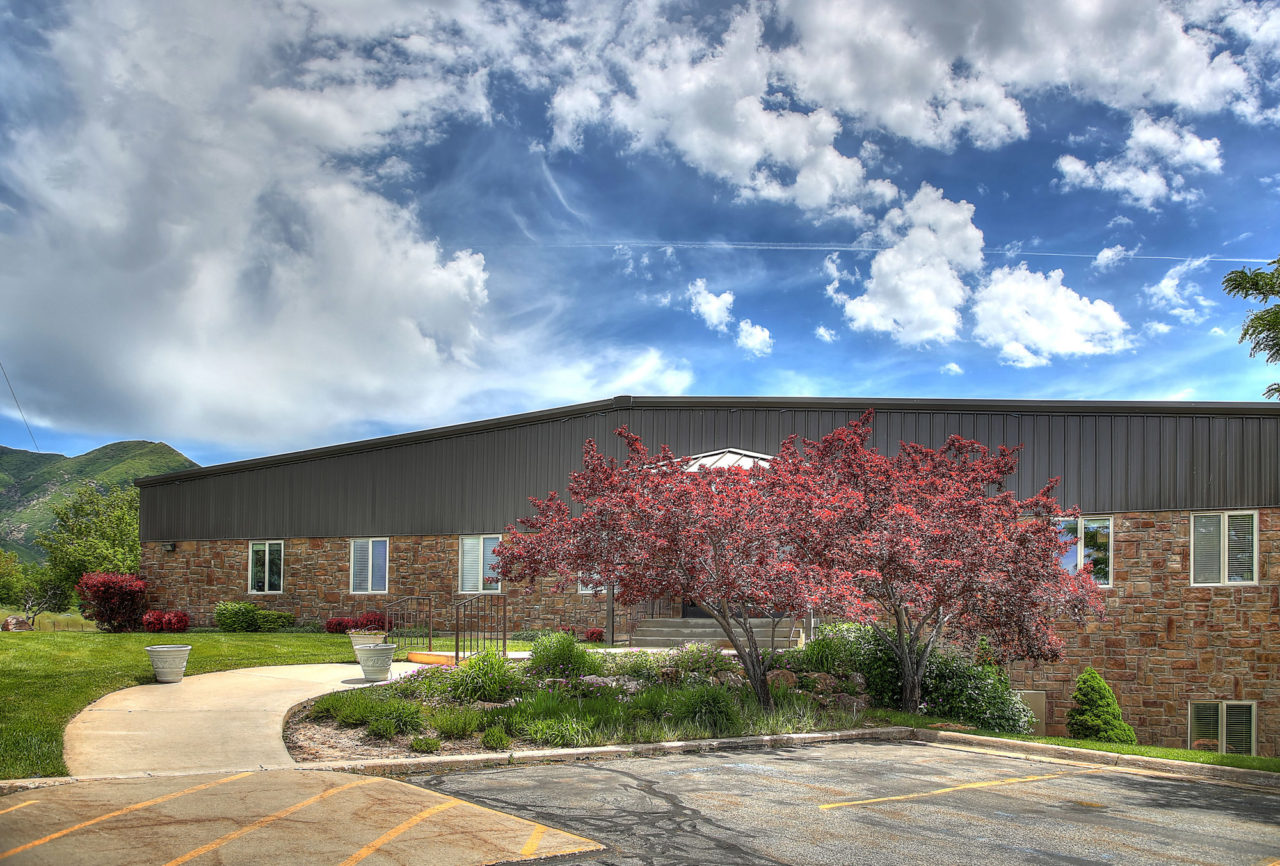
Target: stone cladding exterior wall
1165	642
198	574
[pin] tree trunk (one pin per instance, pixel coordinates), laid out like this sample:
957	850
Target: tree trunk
748	652
912	674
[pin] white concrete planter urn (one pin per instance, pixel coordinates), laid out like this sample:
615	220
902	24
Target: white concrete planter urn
169	661
375	660
365	638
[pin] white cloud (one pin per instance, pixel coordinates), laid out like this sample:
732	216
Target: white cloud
825	334
1217	332
1109	258
1156	329
951	368
1032	317
1151	168
715	310
916	287
754	338
1179	297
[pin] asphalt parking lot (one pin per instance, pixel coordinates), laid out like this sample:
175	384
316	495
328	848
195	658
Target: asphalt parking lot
874	802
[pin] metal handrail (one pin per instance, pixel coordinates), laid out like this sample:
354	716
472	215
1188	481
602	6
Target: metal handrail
410	623
473	637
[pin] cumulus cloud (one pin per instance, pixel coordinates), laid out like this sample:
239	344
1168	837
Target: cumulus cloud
754	338
951	368
1110	258
1157	157
825	334
715	310
1178	296
1032	317
916	287
1156	329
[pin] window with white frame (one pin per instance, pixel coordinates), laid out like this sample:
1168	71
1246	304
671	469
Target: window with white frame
1229	727
266	566
1224	547
368	565
475	563
1090	538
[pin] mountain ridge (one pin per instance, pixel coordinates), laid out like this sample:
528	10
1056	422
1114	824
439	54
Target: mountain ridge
32	482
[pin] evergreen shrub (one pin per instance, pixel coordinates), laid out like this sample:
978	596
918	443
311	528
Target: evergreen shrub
235	616
273	620
1096	714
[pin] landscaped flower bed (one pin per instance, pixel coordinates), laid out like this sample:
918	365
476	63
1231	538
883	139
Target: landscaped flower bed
564	696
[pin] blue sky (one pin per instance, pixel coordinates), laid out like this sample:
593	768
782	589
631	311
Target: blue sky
244	228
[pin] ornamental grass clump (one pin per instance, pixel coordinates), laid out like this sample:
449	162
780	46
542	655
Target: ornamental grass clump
1096	715
709	707
485	676
558	655
456	723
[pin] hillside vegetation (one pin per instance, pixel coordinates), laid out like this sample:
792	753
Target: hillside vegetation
31	483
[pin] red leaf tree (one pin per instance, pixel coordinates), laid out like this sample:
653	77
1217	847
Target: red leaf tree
654	529
935	541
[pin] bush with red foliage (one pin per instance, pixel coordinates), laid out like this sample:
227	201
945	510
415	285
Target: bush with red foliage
339	624
114	601
568	629
594	635
176	620
153	620
371	621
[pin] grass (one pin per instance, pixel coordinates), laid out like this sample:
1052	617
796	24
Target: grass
47	678
1246	762
53	621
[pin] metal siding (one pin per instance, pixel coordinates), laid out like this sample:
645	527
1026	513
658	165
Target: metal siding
480	480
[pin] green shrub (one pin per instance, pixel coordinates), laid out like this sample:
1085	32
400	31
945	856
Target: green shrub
699	659
558	655
235	616
1096	714
456	723
382	727
405	716
957	688
637	665
485	676
421	685
871	657
495	738
425	744
272	620
710	707
827	654
560	732
531	634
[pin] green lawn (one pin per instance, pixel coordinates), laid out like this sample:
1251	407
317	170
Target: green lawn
1247	762
47	677
70	621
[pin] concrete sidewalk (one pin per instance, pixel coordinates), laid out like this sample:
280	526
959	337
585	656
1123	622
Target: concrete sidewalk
230	720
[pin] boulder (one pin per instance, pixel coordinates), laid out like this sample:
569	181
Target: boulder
783	676
848	703
824	683
15	623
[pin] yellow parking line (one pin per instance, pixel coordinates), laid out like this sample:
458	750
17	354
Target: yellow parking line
396	831
591	843
534	838
262	822
117	812
964	787
17	807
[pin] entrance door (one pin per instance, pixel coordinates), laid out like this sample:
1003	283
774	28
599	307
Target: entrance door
692	611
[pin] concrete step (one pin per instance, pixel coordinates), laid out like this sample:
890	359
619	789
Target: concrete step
670	632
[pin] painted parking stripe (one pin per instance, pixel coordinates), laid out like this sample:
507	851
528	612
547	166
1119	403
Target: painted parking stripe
262	822
397	830
126	810
534	838
17	807
965	787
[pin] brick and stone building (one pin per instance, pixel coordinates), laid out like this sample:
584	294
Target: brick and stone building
1181	505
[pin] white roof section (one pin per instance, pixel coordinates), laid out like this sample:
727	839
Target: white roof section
726	458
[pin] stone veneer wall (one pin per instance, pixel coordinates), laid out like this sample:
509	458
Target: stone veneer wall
199	574
1166	642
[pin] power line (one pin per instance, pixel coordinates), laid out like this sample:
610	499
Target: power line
19	405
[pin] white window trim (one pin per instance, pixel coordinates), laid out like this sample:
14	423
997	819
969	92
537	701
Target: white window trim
1111	524
497	587
351	566
1222	722
1222	568
266	576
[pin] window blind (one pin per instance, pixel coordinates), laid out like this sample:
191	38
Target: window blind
1205	724
1206	563
360	565
469	580
1240	548
1239	729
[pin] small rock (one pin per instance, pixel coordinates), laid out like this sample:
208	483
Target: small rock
848	703
669	675
15	623
783	676
824	683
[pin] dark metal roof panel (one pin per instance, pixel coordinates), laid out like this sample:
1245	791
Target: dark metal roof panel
478	477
